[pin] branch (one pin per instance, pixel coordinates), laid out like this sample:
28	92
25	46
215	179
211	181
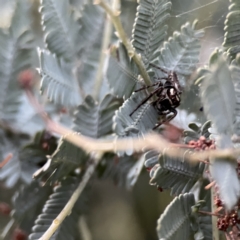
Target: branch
114	15
68	208
150	141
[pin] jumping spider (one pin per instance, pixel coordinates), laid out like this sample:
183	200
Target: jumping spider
168	96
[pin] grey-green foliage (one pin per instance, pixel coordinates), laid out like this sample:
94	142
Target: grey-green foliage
92	22
176	174
53	206
26	158
28	203
122	73
134	172
58	81
15	55
94	119
142	121
63	161
232	33
196	131
16	169
223	171
175	222
149	29
218	96
204	221
60	28
181	52
235	74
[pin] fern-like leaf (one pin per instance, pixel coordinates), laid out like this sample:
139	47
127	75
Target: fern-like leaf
122	72
149	29
174	223
95	120
218	96
58	81
223	171
175	174
142	121
64	160
196	132
91	22
232	34
28	203
180	53
15	55
60	28
53	206
235	74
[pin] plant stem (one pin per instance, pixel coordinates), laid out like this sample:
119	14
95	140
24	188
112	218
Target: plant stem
70	204
150	141
114	15
215	232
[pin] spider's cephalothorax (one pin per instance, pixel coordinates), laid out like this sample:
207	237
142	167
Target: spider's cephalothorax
167	94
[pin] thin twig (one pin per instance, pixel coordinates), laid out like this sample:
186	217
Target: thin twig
6	160
114	15
215	231
151	141
70	204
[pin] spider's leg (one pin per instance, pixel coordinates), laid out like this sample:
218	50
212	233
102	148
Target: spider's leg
174	111
145	87
143	101
175	79
155	66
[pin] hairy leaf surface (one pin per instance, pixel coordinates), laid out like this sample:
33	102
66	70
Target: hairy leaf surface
122	72
142	121
149	29
53	206
58	81
95	120
180	53
174	223
176	174
60	28
218	97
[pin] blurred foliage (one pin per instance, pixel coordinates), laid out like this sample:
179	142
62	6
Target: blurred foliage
63	41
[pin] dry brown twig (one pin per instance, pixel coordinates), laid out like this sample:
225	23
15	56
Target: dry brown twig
6	160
